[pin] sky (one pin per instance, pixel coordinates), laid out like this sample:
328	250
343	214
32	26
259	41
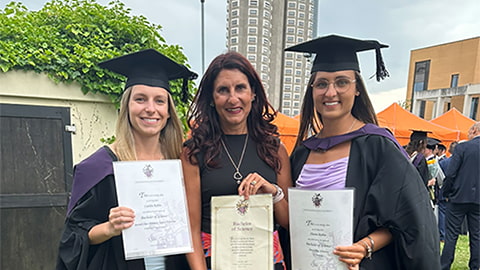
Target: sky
404	25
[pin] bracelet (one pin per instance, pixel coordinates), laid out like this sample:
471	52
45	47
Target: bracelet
279	195
371	242
368	250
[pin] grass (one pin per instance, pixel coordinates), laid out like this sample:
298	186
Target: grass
462	254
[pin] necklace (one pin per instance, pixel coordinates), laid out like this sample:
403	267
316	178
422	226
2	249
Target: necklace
236	175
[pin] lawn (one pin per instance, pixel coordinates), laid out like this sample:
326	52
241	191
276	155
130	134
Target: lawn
462	254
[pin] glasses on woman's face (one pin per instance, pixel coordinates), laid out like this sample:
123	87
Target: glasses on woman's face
340	84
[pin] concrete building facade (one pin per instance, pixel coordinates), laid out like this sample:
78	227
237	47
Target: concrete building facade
261	30
445	76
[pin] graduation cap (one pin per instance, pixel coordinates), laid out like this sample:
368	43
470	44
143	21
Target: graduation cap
418	135
335	53
149	67
432	143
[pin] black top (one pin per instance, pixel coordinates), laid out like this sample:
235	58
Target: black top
220	181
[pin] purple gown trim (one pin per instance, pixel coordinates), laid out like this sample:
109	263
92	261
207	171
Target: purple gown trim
88	173
314	143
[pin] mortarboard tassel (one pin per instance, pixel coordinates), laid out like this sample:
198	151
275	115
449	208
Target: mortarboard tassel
382	71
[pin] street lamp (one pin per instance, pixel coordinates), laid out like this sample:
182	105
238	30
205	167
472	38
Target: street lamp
203	36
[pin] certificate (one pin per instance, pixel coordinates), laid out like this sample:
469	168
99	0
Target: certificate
242	232
155	191
320	220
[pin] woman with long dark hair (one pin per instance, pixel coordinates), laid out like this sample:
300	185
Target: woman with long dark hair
234	149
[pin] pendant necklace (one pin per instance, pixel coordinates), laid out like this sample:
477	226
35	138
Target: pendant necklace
237	175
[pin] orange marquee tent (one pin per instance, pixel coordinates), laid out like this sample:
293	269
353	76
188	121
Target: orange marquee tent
455	120
288	129
401	123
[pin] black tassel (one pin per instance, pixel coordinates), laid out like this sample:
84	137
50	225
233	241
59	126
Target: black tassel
382	71
185	94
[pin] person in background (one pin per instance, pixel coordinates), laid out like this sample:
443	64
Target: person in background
148	128
234	150
430	153
462	191
415	149
441	152
393	220
442	203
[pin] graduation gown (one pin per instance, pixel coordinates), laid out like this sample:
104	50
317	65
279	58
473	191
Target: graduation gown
93	195
389	193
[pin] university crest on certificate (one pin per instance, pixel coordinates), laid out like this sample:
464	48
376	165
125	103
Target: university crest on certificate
242	232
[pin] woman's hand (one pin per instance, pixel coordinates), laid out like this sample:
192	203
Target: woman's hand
255	184
351	255
119	219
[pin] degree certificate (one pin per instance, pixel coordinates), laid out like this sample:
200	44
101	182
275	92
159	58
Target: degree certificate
320	220
155	192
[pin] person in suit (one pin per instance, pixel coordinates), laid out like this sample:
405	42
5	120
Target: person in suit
442	203
463	195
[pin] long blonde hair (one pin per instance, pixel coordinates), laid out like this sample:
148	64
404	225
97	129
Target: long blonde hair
125	142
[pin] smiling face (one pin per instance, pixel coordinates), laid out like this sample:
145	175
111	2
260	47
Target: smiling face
148	110
232	97
332	104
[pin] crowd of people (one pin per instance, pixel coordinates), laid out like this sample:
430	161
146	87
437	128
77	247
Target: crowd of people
234	149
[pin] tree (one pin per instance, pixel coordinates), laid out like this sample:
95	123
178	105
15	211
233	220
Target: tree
67	38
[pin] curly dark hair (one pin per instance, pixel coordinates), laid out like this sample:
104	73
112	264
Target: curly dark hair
311	121
205	125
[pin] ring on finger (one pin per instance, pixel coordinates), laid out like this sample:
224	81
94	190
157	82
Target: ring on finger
253	183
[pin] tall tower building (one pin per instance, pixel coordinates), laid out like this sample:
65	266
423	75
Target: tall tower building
261	30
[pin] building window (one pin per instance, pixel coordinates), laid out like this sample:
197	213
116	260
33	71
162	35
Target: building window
454	81
286	104
266	33
296	112
253	11
290	30
296	96
252	30
252	21
288	63
287	95
291	14
234	3
234	48
235	12
421	113
252	39
266	14
252	57
234	31
288	71
234	40
291	22
420	79
474	108
286	111
252	49
235	22
253	3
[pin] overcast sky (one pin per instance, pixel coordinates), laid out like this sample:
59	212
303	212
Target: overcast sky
404	25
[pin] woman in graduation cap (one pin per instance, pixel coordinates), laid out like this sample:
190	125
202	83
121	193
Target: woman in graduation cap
394	227
148	128
234	150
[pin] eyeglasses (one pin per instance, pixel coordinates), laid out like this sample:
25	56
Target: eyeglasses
340	84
